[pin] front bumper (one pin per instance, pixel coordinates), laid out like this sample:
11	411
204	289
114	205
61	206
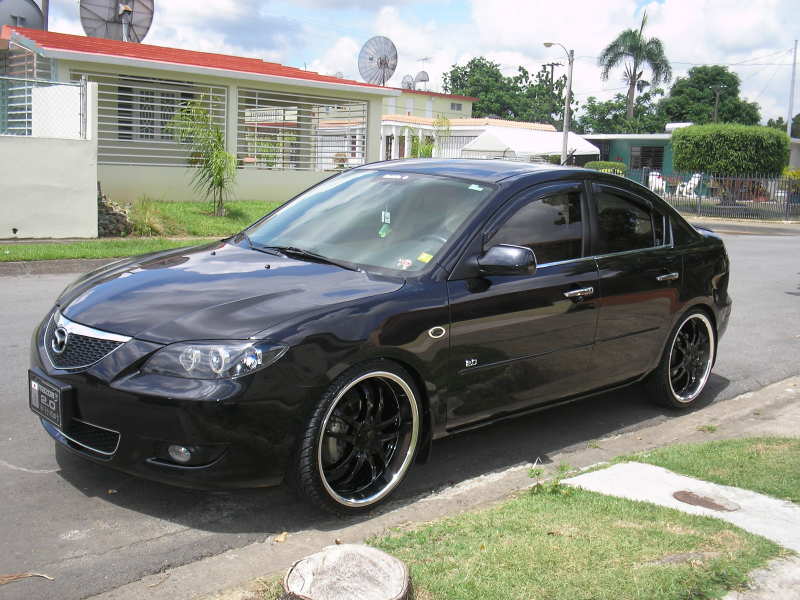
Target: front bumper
120	418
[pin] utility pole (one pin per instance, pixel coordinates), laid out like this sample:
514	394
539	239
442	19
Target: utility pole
718	89
571	59
791	93
552	83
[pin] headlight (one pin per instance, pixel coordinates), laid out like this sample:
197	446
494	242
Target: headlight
214	360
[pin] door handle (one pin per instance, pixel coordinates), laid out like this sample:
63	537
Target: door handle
667	277
587	291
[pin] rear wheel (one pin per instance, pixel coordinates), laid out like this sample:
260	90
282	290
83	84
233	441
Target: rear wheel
686	364
360	440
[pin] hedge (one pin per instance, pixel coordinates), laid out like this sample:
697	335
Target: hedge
607	166
730	149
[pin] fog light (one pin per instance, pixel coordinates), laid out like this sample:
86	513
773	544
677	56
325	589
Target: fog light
179	454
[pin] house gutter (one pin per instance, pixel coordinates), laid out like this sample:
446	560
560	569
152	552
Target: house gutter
104	59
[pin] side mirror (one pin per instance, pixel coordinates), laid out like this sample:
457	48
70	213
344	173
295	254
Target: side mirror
508	261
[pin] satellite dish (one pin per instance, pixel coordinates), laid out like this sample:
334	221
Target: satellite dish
339	75
377	60
421	77
21	13
113	20
407	83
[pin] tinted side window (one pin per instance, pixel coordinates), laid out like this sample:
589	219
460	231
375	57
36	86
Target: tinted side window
623	225
551	226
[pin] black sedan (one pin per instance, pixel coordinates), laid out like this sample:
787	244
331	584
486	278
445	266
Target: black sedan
331	342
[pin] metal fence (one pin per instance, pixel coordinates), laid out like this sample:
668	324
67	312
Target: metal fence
750	197
42	108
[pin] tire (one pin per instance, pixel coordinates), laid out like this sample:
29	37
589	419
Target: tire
359	441
687	361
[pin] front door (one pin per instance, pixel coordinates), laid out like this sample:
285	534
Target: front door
520	341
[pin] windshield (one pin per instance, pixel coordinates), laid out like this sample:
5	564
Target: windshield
374	218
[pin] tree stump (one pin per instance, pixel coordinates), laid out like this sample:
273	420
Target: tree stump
348	572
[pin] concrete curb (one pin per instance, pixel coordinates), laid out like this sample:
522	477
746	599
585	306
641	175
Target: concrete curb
774	410
37	268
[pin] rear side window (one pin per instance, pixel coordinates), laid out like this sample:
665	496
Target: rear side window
624	225
551	226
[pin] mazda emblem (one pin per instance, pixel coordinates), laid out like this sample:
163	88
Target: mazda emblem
59	343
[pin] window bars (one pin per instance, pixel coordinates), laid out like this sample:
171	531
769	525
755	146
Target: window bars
135	113
283	131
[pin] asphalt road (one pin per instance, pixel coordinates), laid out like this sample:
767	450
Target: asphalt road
94	529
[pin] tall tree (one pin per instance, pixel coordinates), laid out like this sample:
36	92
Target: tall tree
611	116
521	97
636	52
692	98
482	79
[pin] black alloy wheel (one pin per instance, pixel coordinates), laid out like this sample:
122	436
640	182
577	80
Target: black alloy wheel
360	441
686	365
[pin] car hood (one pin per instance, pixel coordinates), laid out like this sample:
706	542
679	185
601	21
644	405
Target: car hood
219	291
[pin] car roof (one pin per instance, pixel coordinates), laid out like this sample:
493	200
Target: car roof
490	171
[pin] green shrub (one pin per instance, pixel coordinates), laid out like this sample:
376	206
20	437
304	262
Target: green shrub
606	166
148	220
730	149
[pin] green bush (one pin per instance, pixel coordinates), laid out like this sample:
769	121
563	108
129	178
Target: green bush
607	166
730	149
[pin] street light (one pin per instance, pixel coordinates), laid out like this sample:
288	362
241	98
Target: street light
571	58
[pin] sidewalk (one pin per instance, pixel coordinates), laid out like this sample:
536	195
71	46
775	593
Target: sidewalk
774	410
733	227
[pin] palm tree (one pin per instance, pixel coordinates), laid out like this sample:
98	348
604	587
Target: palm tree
636	51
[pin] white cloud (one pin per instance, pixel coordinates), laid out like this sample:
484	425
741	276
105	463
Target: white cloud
510	33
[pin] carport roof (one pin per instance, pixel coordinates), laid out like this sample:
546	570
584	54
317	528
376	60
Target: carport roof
97	50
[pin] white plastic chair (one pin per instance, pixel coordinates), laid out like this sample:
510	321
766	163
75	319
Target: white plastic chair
656	182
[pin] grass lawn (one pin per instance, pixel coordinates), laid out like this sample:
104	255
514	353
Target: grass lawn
574	545
765	465
197	218
102	248
562	543
159	219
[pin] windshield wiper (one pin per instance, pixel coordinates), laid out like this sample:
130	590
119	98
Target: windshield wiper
264	249
299	252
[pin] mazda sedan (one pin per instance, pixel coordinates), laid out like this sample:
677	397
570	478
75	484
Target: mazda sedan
332	341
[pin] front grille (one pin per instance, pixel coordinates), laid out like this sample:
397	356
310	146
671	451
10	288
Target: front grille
81	351
92	437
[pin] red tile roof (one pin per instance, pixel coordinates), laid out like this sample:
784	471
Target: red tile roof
63	42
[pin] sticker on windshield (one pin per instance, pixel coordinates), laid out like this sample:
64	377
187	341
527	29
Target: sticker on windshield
477	188
403	263
424	257
395	176
386	217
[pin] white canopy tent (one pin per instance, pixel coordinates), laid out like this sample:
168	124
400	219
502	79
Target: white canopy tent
497	142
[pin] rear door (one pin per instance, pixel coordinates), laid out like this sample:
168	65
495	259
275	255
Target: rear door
520	341
640	279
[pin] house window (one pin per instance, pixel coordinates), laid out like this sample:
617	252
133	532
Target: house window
409	106
391	106
124	113
455	106
147	114
651	157
134	116
167	112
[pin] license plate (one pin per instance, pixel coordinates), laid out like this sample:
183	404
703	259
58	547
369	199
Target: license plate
47	397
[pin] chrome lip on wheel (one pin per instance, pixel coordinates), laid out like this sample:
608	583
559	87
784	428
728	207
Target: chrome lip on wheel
368	439
691	357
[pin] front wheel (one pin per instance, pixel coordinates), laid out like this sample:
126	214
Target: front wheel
360	439
686	364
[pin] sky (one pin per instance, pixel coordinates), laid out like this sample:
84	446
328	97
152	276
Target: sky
754	37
